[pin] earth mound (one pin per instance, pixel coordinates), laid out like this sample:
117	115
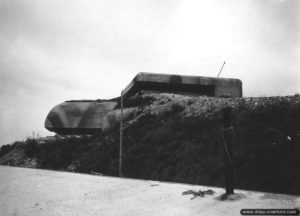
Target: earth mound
178	138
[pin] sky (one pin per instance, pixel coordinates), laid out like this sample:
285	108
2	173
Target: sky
53	51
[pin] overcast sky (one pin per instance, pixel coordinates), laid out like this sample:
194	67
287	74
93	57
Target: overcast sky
57	50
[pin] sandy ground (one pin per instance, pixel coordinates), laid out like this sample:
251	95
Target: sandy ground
32	192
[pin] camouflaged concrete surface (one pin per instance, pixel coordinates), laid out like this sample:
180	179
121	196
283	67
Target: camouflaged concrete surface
78	115
195	85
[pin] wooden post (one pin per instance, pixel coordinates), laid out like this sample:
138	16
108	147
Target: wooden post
121	140
227	131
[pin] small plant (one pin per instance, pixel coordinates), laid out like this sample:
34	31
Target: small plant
5	149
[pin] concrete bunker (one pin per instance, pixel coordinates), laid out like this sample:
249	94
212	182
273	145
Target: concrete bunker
92	116
182	84
78	117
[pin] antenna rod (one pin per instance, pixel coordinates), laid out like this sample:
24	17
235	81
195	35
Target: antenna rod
121	139
221	69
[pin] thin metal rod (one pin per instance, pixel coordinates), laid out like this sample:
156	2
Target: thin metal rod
121	140
221	69
229	166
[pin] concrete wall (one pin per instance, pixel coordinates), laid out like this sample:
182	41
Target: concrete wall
195	85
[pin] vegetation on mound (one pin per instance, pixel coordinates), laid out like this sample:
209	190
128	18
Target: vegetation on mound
178	138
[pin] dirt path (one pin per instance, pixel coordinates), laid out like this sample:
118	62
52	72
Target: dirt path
33	192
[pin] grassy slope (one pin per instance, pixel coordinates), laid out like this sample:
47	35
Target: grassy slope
178	138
